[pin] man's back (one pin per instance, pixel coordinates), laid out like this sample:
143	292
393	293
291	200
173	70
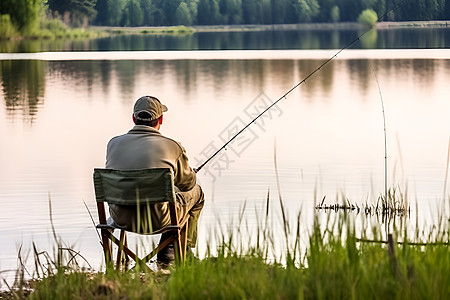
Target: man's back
144	147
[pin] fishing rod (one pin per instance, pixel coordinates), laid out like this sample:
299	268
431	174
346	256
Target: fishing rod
319	68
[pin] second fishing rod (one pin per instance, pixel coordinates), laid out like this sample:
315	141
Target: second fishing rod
320	67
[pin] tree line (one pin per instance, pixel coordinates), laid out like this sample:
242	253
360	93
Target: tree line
229	12
25	14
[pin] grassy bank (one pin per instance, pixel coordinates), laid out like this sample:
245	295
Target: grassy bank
55	29
261	27
45	29
172	30
336	263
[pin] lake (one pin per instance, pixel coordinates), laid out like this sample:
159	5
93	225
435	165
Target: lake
61	104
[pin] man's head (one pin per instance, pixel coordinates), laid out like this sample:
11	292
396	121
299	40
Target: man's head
148	110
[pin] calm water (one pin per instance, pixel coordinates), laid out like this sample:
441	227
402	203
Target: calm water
58	110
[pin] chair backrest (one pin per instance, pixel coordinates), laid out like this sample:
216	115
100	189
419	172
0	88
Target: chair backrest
134	187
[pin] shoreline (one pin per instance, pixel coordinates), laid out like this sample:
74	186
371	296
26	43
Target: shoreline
264	27
92	32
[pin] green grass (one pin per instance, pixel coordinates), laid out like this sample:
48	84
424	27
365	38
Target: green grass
336	264
333	260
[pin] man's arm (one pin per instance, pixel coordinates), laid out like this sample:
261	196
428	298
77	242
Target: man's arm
185	178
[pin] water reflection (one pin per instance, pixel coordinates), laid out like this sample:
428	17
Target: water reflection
23	84
369	40
24	81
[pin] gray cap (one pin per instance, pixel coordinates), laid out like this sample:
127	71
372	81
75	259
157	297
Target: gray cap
148	108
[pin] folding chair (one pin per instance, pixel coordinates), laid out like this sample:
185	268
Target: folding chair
138	188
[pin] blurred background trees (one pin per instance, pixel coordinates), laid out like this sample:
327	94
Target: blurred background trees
23	16
231	12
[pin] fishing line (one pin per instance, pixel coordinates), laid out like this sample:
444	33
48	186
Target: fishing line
296	86
385	134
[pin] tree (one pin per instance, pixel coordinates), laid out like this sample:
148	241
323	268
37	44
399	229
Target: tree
446	10
368	17
279	9
157	13
24	14
169	10
326	6
208	12
132	14
424	10
7	29
76	12
114	9
102	12
380	8
183	15
349	10
147	10
335	14
193	8
252	11
266	6
231	11
305	10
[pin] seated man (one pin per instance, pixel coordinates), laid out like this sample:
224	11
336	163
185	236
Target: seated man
144	147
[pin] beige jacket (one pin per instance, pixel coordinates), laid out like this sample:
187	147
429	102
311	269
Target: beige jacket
141	148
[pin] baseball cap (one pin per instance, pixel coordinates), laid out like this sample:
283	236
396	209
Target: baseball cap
148	108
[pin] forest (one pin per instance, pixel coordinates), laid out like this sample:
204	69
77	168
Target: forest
25	15
229	12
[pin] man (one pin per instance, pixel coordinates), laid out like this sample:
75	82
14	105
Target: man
145	147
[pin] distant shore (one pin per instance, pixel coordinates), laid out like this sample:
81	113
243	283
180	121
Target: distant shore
272	27
414	24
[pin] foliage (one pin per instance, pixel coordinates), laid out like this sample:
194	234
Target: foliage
306	10
55	26
24	14
183	15
208	12
211	12
446	12
74	12
335	14
368	17
7	29
132	14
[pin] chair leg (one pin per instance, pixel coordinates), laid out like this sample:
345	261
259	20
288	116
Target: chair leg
184	232
128	252
120	251
178	248
106	244
127	258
